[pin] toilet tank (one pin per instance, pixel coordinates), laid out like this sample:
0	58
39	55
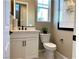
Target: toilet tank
45	38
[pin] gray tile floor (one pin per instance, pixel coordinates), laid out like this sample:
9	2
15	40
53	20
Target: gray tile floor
42	55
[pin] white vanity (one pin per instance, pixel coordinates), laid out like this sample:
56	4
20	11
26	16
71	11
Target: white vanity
24	44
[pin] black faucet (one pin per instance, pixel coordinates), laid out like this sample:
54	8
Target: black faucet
25	28
22	27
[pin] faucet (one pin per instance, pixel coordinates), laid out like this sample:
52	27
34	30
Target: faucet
22	28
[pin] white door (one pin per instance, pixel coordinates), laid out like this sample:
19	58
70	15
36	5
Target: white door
6	24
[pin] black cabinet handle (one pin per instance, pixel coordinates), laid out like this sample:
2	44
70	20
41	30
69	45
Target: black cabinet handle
74	37
25	43
22	43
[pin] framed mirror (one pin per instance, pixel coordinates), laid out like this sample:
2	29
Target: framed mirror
24	12
66	15
21	13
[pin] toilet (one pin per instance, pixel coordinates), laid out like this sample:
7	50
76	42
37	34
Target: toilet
49	47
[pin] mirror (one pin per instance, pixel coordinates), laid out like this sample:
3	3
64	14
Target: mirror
24	12
21	13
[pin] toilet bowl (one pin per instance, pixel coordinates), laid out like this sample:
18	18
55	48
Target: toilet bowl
49	47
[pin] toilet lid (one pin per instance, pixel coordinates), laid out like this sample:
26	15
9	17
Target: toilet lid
50	46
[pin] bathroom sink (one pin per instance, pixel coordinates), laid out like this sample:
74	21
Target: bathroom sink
29	29
25	31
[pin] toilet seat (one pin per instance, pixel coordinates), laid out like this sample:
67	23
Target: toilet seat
50	46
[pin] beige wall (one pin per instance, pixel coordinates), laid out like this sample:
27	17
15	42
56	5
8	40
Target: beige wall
39	25
65	46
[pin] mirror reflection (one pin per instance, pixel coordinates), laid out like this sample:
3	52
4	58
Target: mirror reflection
21	13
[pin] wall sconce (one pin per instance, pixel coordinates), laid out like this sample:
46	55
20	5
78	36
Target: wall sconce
70	5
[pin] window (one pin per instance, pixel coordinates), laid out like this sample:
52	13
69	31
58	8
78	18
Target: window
43	11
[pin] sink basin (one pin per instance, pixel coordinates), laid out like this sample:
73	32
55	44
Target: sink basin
29	29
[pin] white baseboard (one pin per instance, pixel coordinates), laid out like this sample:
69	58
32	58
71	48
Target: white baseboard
59	56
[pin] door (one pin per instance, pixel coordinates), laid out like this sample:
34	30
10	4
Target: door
17	49
31	48
6	24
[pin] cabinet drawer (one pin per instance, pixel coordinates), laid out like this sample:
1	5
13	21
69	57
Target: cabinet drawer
24	35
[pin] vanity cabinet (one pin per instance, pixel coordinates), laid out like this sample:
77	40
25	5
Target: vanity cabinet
24	45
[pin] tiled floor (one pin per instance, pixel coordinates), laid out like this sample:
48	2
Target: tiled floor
42	55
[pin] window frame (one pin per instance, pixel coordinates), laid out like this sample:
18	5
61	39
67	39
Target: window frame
48	8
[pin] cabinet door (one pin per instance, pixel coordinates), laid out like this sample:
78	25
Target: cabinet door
17	48
31	49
